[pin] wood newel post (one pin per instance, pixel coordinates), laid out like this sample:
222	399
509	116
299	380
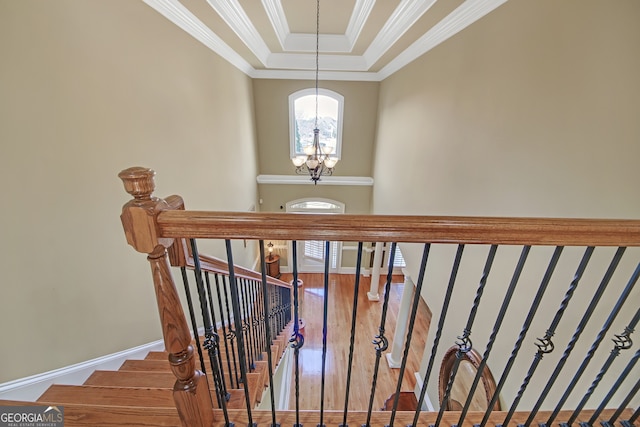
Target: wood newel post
191	390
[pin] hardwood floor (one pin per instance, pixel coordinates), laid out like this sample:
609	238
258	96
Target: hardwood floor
340	303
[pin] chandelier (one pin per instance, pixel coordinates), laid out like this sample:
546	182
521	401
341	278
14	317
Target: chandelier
317	160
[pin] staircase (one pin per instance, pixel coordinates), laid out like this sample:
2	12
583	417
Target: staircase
140	392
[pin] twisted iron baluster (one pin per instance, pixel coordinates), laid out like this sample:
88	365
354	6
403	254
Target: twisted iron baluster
192	316
235	302
246	324
297	339
436	341
523	331
623	376
266	308
216	346
494	333
380	341
224	332
576	335
621	342
464	342
596	343
545	344
354	311
231	335
210	336
412	321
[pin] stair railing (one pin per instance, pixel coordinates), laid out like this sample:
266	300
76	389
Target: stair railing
216	310
151	225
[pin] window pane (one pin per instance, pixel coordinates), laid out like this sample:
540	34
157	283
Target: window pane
305	115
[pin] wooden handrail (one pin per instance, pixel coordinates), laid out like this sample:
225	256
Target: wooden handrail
181	256
386	228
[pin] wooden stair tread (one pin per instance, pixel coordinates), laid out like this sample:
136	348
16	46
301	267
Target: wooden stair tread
80	415
83	415
118	396
131	379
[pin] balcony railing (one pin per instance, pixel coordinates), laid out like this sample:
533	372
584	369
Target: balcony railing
491	283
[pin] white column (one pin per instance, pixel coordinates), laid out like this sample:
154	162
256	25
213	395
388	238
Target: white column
373	294
397	347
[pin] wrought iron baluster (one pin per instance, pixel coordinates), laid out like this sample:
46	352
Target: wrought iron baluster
523	331
630	422
211	338
192	316
496	328
605	327
621	342
576	335
224	333
325	320
354	312
246	324
464	341
233	328
267	331
381	342
412	321
262	317
214	323
625	403
254	321
623	376
235	302
297	338
436	340
545	345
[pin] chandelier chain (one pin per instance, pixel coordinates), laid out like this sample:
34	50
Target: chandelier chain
317	54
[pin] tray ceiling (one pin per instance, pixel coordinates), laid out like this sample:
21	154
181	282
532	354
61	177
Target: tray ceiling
359	39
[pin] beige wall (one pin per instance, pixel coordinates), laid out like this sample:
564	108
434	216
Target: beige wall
88	88
532	111
272	125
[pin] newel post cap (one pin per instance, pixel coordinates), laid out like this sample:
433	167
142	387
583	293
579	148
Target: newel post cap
138	181
139	215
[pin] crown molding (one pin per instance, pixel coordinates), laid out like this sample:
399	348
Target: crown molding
361	12
234	15
463	16
278	19
325	180
175	12
311	75
303	61
402	18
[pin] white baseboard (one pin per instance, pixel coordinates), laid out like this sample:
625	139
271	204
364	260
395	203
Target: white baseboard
426	404
29	389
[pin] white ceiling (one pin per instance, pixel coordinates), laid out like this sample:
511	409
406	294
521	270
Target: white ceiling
359	39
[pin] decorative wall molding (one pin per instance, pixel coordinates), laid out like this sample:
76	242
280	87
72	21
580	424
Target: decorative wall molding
304	180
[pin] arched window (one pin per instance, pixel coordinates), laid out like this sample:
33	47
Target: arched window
302	115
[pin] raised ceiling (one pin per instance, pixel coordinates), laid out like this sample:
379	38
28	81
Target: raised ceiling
359	39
